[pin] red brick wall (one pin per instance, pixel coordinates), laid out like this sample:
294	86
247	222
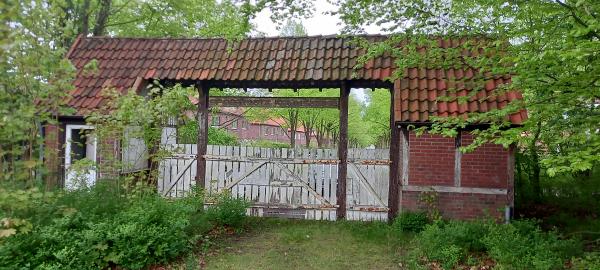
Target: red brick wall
486	167
52	160
431	163
431	160
458	205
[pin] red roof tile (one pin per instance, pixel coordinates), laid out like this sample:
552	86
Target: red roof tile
124	62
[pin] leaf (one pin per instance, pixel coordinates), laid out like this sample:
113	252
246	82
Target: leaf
7	232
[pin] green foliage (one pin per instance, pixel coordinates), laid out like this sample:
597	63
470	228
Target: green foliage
268	144
377	117
103	226
523	245
228	211
587	261
188	134
549	48
34	81
451	243
411	221
518	245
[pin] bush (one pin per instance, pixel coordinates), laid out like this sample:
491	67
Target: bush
450	243
188	133
411	221
228	211
519	245
97	228
588	261
522	244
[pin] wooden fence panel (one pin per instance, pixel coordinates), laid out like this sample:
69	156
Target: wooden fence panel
295	183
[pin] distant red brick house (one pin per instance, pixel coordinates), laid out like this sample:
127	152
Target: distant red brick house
468	185
234	121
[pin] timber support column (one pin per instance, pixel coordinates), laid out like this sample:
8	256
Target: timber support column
395	164
202	118
343	152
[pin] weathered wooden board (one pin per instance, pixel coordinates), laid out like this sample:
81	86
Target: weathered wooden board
298	183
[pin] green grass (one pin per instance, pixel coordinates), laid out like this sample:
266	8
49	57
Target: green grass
294	244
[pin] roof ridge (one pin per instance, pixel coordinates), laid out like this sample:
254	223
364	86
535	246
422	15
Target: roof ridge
245	38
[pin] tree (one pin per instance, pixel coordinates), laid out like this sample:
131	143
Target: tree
549	47
377	116
34	79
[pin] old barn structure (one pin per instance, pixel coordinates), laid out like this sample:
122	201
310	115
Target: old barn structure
467	185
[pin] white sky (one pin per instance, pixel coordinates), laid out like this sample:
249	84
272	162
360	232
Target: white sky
319	24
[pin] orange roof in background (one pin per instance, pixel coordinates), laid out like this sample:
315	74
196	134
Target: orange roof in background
125	63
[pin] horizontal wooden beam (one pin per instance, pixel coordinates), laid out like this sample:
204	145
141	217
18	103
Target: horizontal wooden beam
296	84
274	102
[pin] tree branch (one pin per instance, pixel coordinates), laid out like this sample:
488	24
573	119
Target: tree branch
577	18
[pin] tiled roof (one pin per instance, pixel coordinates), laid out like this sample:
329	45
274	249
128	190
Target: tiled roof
125	63
423	93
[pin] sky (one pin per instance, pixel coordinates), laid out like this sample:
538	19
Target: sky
319	24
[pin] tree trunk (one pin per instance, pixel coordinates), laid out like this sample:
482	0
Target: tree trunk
293	138
293	121
535	163
102	18
307	133
84	17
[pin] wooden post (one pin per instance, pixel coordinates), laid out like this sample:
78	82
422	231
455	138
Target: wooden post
202	118
395	164
343	152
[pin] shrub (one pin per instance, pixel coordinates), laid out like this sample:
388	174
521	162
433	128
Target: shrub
451	243
518	245
522	244
99	227
411	222
588	261
228	211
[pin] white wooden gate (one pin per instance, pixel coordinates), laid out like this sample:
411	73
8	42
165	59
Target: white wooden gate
296	183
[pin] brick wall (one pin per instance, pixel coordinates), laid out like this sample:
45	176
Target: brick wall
431	160
482	189
459	205
52	160
486	167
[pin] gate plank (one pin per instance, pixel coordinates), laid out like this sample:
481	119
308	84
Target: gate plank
233	183
361	178
299	180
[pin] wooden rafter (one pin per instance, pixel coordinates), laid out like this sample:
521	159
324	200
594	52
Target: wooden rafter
274	102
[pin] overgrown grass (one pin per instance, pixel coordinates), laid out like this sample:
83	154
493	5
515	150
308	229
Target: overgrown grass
295	244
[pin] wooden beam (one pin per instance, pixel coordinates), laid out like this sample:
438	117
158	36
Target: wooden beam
457	159
202	133
297	84
395	164
343	152
275	102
